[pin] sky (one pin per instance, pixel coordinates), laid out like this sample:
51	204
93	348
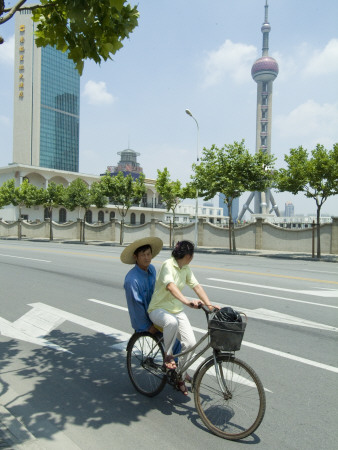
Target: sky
197	55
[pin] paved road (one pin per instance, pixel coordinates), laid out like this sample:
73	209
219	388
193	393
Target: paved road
64	325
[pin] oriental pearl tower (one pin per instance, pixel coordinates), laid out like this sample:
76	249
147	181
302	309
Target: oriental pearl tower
264	71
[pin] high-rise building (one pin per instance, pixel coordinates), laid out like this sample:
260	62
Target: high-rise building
264	71
46	102
289	209
234	208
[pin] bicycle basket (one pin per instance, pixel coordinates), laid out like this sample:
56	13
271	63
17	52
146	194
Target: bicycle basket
226	330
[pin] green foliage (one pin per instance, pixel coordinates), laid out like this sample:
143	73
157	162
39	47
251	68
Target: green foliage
86	29
123	191
171	192
315	175
232	170
5	193
97	196
52	197
77	195
24	195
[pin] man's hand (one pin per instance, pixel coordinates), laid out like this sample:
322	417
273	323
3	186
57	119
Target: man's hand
152	330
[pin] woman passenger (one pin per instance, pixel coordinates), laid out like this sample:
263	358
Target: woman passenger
166	305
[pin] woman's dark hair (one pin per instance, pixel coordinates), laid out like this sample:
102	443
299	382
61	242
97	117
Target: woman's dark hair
183	248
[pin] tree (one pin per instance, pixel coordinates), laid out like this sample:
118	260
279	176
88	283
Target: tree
79	195
232	170
4	197
24	195
86	29
171	193
315	175
123	192
51	198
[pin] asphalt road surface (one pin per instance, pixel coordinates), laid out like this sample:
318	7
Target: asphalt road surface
63	333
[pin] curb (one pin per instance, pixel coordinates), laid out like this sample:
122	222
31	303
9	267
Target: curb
13	433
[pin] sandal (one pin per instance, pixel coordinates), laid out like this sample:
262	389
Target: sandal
188	378
182	387
169	362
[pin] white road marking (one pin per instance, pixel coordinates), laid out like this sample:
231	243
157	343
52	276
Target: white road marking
45	318
122	308
22	257
271	296
293	357
275	316
319	293
7	329
42	319
79	320
319	271
250	344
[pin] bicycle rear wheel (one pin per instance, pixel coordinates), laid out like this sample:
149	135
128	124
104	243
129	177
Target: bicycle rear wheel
236	413
145	359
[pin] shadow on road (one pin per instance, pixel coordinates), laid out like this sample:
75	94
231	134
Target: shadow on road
87	386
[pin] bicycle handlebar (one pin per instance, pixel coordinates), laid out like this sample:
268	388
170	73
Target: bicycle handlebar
204	307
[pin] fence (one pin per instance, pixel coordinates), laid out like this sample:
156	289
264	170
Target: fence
258	235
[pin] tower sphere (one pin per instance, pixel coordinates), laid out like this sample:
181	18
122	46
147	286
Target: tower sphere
266	28
265	69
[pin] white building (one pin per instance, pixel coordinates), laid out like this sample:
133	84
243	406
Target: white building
149	208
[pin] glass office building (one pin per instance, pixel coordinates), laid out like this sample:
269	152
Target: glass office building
59	114
46	103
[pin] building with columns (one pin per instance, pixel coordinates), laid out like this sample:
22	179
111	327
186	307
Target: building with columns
149	208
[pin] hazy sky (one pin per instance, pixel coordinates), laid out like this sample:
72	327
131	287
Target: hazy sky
198	54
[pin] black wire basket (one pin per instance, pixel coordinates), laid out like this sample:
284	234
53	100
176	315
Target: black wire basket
226	336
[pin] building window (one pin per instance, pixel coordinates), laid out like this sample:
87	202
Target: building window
89	216
101	216
112	215
62	215
132	218
142	218
46	214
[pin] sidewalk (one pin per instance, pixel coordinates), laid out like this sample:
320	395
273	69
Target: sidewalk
14	435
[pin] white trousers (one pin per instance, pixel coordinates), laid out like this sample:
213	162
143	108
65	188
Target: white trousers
174	326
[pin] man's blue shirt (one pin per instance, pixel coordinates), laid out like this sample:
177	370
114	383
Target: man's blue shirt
139	286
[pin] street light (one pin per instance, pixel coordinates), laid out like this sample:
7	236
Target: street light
198	144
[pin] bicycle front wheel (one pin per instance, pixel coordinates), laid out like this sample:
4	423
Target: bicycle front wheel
145	360
232	406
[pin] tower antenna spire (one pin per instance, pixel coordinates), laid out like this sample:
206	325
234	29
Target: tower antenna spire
266	28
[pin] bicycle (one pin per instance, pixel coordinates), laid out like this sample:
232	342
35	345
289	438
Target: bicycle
228	394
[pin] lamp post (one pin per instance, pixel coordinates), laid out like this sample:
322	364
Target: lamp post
198	144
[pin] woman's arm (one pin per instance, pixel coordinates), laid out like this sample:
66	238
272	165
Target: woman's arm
175	292
202	295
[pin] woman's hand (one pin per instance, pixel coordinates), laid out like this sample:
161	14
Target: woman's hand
195	304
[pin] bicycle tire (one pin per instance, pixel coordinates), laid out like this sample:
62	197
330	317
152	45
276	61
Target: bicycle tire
237	413
145	359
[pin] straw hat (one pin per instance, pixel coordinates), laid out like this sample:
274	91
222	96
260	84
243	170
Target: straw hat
127	256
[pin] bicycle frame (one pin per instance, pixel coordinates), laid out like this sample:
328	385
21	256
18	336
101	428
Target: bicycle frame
190	362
